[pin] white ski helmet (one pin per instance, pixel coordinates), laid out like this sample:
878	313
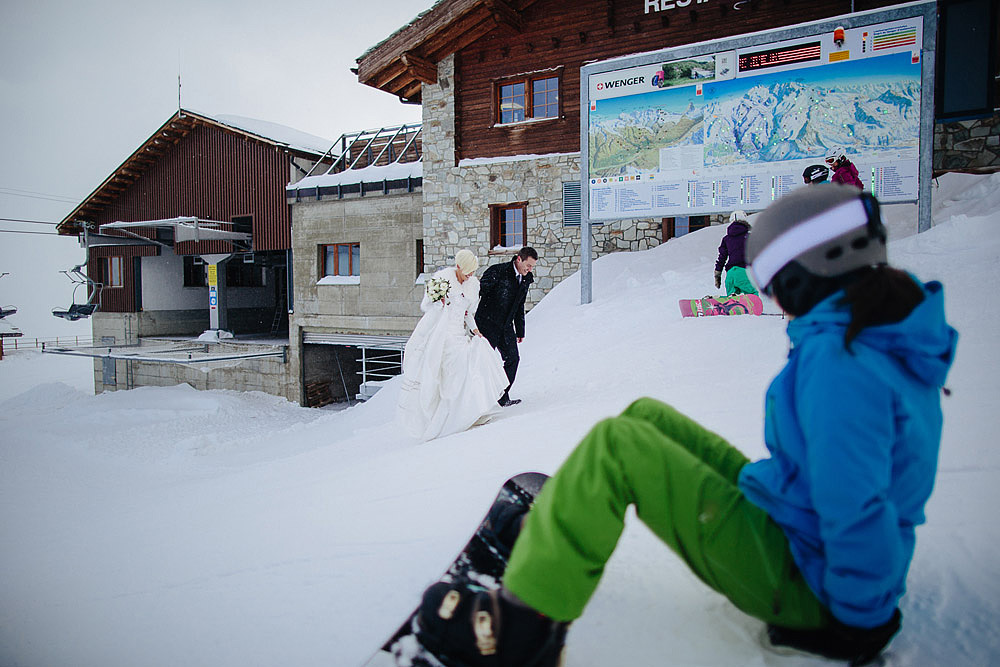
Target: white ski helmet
809	243
738	215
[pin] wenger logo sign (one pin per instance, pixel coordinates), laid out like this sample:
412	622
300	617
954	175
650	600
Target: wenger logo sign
617	83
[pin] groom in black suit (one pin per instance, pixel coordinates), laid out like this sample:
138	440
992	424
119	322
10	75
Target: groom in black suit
500	316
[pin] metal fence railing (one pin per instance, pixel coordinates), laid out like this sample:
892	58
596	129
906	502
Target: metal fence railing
25	343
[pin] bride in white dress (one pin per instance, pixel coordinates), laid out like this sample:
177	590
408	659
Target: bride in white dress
452	377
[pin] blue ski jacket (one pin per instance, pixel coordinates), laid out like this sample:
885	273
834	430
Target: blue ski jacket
854	436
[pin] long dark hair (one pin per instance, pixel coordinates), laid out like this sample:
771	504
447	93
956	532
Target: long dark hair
879	295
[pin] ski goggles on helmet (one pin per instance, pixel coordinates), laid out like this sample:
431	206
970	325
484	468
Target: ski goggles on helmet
823	229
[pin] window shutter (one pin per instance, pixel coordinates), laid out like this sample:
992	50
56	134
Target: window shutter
571	203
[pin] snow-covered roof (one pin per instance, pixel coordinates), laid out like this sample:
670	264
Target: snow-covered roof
279	134
374	174
391	153
8	330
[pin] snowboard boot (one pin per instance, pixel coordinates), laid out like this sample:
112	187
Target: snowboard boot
859	646
464	625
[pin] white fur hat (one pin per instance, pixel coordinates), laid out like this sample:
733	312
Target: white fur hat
465	260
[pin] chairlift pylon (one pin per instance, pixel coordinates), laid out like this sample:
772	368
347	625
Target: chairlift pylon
77	311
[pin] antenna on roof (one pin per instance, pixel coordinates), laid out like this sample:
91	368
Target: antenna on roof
178	80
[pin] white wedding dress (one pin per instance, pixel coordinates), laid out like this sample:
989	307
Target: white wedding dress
451	377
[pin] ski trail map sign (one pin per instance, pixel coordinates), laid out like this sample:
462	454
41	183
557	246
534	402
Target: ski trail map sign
732	123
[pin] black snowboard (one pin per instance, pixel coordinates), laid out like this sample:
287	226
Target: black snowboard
483	560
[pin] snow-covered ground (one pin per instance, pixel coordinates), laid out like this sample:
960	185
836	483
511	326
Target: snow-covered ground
168	526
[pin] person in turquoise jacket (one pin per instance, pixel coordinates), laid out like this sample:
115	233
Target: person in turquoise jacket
816	539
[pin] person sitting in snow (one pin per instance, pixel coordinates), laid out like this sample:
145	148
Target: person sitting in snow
844	171
816	540
732	255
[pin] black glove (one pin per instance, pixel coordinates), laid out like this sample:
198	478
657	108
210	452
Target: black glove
718	279
859	646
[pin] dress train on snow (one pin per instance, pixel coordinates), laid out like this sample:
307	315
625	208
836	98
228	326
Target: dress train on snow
451	378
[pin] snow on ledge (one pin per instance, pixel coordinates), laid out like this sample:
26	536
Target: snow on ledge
339	280
474	161
375	174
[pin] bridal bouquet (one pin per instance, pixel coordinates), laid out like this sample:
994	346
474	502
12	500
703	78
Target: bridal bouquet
437	289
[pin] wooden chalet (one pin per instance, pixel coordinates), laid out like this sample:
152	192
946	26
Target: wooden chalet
499	85
190	238
502	42
225	170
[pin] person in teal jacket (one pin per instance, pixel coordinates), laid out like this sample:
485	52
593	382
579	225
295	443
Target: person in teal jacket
816	540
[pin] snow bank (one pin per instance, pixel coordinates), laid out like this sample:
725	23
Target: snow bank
167	526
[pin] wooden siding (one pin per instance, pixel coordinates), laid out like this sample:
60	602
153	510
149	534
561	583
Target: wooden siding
569	34
214	175
407	58
120	299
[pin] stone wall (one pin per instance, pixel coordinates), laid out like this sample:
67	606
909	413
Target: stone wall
967	144
457	198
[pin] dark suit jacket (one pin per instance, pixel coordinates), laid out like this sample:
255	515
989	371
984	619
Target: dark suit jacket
501	302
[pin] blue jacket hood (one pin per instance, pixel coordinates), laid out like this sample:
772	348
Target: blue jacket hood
923	343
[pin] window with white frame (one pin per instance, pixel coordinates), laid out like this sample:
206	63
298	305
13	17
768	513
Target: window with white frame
531	97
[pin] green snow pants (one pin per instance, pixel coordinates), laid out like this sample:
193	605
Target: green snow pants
738	282
682	480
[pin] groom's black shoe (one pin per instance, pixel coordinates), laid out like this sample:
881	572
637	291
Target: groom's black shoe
506	402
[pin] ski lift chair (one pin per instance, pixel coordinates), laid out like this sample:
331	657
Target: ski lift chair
78	311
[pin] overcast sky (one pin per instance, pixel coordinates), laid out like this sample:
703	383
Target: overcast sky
84	82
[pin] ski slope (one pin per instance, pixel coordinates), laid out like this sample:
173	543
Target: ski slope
167	526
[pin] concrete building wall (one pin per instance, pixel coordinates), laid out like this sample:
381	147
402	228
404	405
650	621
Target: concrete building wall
457	199
386	298
271	375
115	328
384	301
163	289
163	285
